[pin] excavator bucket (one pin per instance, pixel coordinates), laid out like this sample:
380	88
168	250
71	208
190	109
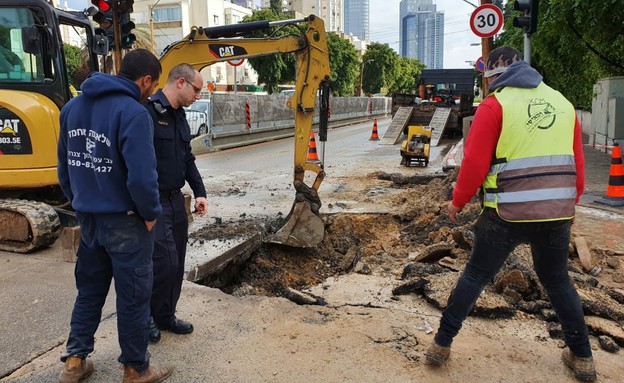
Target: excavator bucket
301	228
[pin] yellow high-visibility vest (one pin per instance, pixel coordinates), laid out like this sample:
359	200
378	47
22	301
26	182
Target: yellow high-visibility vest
533	177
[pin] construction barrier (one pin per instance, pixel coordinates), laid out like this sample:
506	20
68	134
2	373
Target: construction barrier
248	115
312	154
374	135
615	189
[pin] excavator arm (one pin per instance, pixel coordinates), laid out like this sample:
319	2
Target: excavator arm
206	46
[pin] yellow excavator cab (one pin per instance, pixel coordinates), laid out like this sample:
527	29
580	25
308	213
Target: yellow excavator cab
31	201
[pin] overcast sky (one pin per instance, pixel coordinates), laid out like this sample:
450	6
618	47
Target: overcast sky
384	28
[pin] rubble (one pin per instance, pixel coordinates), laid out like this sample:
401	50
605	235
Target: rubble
419	250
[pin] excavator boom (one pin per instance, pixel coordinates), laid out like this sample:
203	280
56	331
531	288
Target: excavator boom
205	46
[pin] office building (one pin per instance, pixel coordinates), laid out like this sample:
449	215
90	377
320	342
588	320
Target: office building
421	32
356	18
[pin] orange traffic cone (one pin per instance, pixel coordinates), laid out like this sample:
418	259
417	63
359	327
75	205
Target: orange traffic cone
615	188
374	136
312	155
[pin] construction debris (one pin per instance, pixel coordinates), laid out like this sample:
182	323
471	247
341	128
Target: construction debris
422	252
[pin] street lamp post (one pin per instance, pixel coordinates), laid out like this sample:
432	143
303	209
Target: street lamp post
362	75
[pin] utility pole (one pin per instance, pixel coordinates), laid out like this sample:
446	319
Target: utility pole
361	93
116	36
487	44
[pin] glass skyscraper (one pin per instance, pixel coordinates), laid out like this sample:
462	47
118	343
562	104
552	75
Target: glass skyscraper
356	18
421	32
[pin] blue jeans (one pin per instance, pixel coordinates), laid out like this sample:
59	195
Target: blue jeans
113	246
495	239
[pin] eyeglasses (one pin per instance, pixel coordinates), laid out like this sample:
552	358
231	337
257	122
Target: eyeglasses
196	89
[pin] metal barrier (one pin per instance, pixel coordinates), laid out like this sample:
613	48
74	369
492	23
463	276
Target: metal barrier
246	120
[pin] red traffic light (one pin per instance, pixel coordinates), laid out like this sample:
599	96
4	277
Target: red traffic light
103	5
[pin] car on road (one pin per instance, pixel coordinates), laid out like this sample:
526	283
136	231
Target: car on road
198	116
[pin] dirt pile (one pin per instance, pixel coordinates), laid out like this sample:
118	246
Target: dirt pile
424	252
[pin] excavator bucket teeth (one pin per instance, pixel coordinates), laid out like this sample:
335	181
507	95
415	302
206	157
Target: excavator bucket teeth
302	228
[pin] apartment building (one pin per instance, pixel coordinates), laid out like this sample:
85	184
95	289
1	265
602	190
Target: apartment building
173	19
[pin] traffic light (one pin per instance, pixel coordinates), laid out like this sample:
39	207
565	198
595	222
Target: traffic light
528	22
126	25
102	5
104	15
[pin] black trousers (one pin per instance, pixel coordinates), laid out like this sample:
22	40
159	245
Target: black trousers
495	239
171	232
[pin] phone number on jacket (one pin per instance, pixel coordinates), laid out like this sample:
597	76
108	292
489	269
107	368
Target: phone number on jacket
90	165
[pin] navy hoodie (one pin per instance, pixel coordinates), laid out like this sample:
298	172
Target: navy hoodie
106	151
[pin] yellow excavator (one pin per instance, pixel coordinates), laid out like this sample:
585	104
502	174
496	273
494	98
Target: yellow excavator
34	87
202	47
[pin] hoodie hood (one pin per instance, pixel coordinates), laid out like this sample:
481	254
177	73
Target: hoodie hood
518	75
101	84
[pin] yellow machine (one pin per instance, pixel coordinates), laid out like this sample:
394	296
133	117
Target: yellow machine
416	146
33	91
205	46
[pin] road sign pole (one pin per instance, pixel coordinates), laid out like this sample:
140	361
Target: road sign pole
527	48
486	46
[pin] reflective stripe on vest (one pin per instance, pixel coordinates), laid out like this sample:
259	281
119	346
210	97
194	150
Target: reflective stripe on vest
533	177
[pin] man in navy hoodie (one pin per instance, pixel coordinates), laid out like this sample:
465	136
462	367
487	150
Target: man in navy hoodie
107	170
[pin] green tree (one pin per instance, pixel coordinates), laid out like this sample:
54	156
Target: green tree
406	73
379	67
344	64
276	7
73	61
561	46
274	69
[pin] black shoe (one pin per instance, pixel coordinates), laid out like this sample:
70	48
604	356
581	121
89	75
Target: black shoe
178	327
154	333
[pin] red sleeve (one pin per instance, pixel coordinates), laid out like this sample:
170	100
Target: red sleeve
479	150
579	160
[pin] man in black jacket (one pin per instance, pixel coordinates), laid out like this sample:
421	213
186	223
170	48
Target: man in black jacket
175	165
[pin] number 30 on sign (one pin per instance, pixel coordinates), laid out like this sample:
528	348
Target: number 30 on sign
486	20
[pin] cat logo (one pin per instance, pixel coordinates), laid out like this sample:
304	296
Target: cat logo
9	126
221	51
226	51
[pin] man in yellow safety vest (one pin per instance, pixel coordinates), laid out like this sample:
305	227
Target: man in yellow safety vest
525	152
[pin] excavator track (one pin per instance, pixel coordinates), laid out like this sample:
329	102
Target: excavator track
26	226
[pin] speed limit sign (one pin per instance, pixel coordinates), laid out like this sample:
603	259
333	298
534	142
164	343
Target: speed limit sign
236	62
486	20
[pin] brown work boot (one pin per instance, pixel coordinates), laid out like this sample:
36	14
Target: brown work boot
437	354
153	374
584	369
76	369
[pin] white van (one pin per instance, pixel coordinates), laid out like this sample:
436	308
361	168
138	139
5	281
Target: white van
198	116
